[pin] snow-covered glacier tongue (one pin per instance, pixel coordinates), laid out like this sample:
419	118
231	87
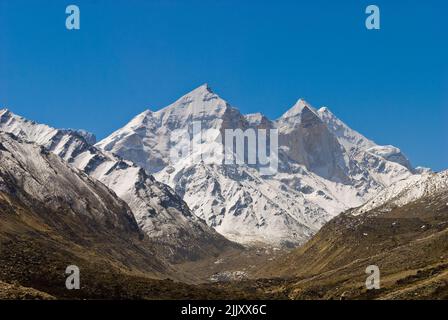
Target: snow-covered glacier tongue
324	167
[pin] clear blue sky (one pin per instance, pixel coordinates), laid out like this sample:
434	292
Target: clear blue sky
391	84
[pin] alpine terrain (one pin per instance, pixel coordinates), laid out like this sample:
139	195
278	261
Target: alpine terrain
197	200
162	215
324	167
54	216
403	231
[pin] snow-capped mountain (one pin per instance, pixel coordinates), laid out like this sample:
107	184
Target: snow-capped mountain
324	167
160	213
427	184
54	215
47	179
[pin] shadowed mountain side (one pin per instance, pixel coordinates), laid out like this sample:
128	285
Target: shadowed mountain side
54	216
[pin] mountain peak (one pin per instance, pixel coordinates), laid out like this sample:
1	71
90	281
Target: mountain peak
200	91
200	94
140	119
205	87
298	108
4	111
200	100
352	140
325	113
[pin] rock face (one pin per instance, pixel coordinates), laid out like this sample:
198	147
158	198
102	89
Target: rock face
164	217
403	231
28	170
54	216
324	167
51	212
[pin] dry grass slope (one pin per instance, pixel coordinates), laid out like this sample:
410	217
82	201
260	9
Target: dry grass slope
409	244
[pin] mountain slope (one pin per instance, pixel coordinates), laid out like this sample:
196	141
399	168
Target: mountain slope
160	213
405	236
324	167
54	216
